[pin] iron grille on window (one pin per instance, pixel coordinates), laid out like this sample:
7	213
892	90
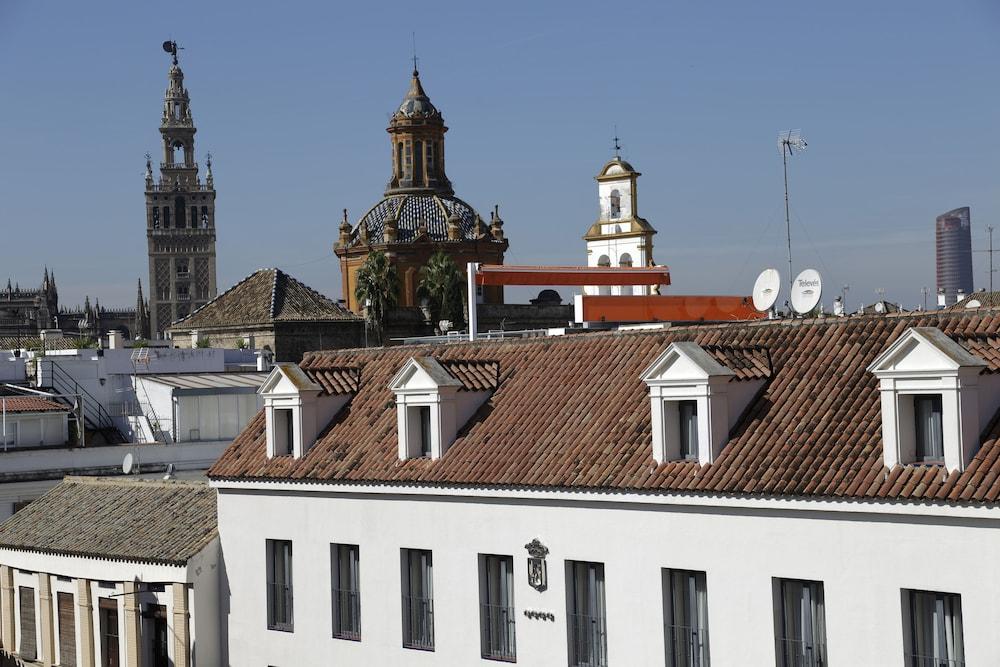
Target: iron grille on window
419	622
279	585
588	641
347	618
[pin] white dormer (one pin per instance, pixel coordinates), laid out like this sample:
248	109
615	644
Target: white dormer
695	401
935	401
432	405
296	410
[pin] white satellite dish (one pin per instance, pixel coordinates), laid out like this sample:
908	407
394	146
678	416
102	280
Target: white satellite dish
973	304
879	307
807	289
127	464
766	289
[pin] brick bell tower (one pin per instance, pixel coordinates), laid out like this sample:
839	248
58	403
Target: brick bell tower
180	214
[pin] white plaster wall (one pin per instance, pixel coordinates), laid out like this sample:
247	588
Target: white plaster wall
864	557
614	248
624	188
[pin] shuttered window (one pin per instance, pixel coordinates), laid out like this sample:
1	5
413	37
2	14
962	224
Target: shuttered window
67	630
29	646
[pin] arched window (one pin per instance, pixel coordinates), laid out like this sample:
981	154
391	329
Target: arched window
166	217
604	260
178	112
418	163
616	204
156	217
177	157
204	217
179	208
625	260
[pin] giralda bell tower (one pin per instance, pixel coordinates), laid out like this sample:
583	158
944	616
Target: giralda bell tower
180	214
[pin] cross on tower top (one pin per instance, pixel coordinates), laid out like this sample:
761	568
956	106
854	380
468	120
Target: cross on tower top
617	145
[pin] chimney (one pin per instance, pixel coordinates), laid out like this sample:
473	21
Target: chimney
959	295
838	307
941	299
115	340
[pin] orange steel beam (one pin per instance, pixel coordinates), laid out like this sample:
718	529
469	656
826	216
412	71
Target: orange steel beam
495	274
680	308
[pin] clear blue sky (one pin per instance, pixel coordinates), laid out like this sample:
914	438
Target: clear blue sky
898	100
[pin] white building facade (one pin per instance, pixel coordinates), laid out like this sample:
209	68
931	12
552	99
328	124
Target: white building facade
730	495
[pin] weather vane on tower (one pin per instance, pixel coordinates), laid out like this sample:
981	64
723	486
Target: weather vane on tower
617	145
171	47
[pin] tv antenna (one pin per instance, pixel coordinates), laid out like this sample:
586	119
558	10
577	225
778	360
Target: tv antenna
789	142
989	230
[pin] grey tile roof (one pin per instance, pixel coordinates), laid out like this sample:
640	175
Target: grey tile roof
149	521
264	297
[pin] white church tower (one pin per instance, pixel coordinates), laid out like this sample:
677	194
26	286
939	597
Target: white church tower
619	237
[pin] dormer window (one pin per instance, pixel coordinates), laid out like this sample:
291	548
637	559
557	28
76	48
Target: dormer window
434	401
299	405
695	400
933	410
688	422
928	428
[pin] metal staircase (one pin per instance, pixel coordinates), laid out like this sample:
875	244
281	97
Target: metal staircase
52	376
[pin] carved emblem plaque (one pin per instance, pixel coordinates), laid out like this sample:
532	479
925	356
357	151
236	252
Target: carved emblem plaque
537	573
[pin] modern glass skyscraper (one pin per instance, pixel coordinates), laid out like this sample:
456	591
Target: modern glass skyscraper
954	253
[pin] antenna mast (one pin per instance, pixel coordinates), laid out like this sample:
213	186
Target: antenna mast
788	142
991	251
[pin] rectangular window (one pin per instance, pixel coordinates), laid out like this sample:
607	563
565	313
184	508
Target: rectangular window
110	650
279	585
29	644
928	428
284	431
496	605
687	412
685	618
418	599
425	430
935	630
587	625
801	624
346	591
67	629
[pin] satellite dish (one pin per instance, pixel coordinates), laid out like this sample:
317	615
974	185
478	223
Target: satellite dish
127	464
973	303
879	307
766	289
807	289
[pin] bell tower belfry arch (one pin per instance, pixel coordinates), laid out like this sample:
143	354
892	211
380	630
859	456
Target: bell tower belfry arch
180	213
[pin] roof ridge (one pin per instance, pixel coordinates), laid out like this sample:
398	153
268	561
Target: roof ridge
274	292
94	480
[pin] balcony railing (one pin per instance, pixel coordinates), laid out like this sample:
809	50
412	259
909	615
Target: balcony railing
687	646
498	632
347	614
588	641
280	614
799	653
169	187
418	619
178	165
915	660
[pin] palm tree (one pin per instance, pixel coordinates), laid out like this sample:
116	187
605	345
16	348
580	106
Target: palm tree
443	285
377	290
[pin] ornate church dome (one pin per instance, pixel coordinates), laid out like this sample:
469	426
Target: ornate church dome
417	214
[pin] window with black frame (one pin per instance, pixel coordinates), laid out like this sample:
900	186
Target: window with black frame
935	626
496	605
685	618
928	428
346	591
687	412
587	622
418	599
801	621
279	585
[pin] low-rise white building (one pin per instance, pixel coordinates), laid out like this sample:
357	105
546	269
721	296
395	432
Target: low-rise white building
112	572
804	492
31	421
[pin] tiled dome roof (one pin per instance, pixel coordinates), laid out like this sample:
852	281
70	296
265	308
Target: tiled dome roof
411	210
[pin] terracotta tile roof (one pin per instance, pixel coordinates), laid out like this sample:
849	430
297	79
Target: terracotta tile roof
30	404
572	412
117	519
474	374
987	300
748	363
336	380
264	297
